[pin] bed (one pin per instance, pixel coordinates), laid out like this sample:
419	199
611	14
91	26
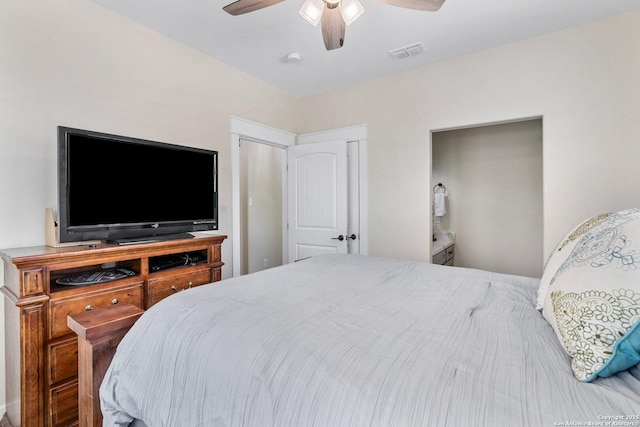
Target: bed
351	340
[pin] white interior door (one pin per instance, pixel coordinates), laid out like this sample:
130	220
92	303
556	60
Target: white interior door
318	199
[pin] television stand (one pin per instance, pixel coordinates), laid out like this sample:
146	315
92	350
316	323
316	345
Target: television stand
151	239
41	352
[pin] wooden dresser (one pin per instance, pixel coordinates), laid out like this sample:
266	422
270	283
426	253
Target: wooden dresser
41	351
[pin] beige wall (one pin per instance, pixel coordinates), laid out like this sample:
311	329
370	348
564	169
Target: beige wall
74	63
583	82
493	176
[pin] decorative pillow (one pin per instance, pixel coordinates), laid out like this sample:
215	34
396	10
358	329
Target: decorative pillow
560	254
593	297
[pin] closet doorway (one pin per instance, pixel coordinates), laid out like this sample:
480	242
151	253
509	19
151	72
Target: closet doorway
263	140
261	195
493	176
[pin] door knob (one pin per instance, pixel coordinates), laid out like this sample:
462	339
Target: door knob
352	237
340	237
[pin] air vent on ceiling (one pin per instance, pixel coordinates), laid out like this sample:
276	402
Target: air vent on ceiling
407	51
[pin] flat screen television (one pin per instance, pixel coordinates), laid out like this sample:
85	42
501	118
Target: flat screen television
123	189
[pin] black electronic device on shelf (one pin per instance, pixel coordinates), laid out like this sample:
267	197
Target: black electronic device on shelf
169	261
95	277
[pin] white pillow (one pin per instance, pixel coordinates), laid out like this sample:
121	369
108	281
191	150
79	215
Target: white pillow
593	299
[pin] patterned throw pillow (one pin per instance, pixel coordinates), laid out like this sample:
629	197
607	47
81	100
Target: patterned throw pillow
593	297
560	254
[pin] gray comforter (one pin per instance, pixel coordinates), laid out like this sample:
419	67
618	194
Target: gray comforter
350	340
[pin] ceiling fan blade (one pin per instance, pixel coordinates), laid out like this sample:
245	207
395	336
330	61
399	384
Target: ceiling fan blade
245	6
333	28
426	5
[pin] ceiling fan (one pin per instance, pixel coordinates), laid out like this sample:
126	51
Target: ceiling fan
334	15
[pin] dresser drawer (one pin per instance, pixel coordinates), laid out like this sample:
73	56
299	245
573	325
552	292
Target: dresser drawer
165	286
60	308
63	358
64	404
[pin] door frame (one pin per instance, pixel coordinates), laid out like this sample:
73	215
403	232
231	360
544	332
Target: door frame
256	132
261	134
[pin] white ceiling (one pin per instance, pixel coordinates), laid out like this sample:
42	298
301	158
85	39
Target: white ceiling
258	42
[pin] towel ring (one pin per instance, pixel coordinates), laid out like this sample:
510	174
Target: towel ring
439	186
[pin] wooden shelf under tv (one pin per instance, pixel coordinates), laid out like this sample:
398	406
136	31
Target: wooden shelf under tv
41	351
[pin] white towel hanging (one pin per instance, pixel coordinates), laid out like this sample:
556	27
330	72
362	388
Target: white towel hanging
439	208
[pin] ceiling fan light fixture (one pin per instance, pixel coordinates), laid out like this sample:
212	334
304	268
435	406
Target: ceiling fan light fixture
351	10
334	15
311	11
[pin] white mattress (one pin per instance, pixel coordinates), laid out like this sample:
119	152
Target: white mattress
350	340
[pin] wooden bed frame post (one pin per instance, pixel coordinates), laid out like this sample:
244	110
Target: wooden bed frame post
99	333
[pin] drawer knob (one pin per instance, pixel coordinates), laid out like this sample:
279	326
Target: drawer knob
114	301
174	288
88	308
190	285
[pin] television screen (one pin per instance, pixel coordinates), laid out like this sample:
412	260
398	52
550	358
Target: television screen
115	187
